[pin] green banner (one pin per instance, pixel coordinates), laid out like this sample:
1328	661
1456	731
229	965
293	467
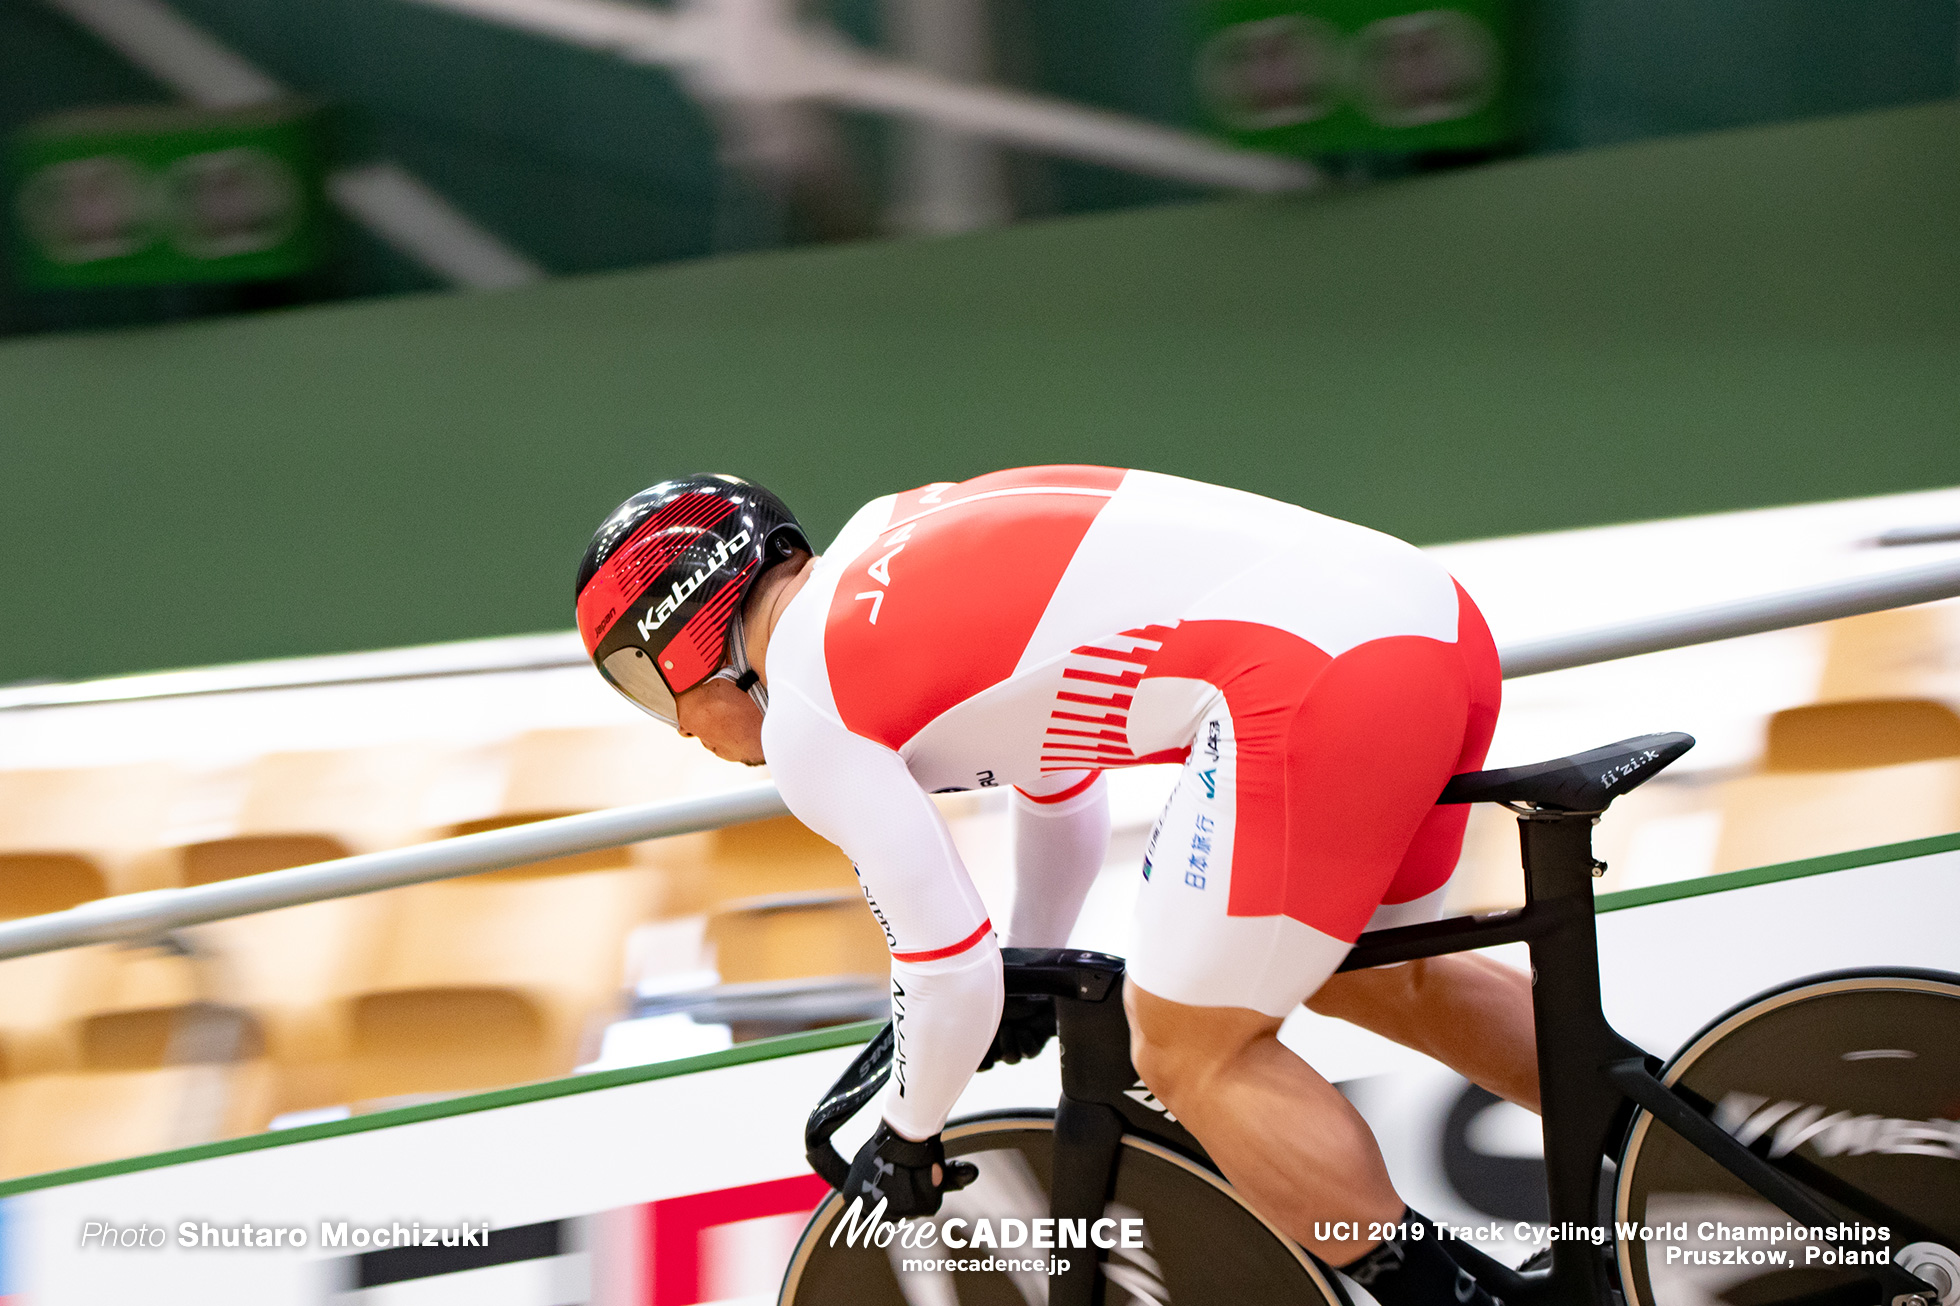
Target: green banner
160	196
1329	76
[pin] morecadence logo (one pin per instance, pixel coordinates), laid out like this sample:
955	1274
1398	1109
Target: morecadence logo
866	1227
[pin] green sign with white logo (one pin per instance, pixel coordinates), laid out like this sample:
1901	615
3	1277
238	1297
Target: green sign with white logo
160	196
1326	76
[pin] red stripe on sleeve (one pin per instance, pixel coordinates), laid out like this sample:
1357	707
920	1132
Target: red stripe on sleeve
934	954
1063	796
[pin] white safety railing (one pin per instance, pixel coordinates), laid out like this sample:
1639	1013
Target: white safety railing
148	915
1751	616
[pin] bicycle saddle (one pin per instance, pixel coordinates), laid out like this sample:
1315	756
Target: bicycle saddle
1583	782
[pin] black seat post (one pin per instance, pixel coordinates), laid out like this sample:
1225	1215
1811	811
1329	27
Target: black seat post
1574	1040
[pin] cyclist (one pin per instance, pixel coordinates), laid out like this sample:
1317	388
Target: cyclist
1318	681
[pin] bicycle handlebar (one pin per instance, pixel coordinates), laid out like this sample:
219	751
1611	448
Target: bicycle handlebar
1026	972
866	1074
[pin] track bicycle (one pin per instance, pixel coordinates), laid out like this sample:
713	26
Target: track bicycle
1829	1103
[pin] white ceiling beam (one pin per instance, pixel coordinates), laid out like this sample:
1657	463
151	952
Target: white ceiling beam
415	219
169	48
400	209
750	49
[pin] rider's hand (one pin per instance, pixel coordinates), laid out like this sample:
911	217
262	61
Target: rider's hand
909	1176
1026	1025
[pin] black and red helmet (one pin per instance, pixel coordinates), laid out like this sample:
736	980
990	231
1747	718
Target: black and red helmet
660	590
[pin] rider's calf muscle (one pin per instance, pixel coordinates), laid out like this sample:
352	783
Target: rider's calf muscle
1471	1013
1285	1137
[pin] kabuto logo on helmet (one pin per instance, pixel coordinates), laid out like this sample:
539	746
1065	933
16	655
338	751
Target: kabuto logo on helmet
661	587
657	615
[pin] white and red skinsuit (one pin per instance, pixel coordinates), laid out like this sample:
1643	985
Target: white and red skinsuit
1319	681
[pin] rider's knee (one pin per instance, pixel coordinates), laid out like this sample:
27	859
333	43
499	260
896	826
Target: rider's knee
1176	1047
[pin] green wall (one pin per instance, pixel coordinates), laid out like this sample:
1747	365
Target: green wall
1761	317
586	163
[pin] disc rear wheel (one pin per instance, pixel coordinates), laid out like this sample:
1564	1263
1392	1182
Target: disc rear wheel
1851	1084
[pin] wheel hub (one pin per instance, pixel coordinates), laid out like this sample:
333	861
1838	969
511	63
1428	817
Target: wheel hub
1938	1266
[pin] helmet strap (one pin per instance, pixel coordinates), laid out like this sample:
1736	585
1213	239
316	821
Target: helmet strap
738	656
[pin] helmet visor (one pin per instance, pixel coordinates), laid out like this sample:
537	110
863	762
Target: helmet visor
633	673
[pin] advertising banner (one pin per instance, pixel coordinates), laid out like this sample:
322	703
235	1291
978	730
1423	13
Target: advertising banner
684	1184
168	195
1388	76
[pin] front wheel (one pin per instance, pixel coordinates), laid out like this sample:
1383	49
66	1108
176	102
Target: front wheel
1850	1083
1201	1245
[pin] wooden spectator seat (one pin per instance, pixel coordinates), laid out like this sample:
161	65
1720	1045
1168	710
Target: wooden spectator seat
797	936
295	809
37	1035
1839	776
149	1063
65	838
71	835
296	969
504	977
492	980
548	773
151	1079
781	855
51	1122
1898	653
1855	734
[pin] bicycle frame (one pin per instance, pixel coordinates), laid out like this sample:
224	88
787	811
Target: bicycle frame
1590	1078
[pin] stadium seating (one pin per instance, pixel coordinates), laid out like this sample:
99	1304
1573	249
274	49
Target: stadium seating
781	936
142	1059
70	835
717	867
490	981
1845	775
293	809
547	773
1875	760
36	1035
513	975
54	1121
509	975
295	969
1901	653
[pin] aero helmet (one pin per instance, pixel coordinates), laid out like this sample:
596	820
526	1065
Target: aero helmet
660	590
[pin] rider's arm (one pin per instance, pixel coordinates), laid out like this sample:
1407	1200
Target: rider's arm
946	977
1061	836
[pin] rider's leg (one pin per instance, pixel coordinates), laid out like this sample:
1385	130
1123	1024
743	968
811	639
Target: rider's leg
1284	1136
1308	781
1292	1145
1308	801
1469	1012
